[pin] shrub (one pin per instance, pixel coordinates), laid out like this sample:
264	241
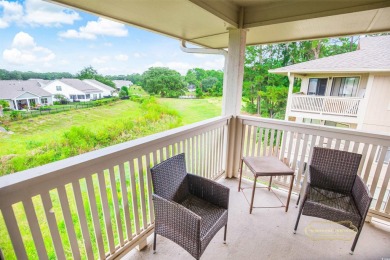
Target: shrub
15	115
4	104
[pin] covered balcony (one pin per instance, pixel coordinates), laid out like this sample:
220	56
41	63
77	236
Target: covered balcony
345	109
99	204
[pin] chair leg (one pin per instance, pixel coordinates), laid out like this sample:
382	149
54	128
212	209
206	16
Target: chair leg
239	182
224	235
299	198
356	239
253	195
270	182
154	242
298	218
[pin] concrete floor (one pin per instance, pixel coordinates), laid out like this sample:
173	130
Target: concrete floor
268	234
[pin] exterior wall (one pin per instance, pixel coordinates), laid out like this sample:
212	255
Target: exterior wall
377	114
11	103
104	93
66	90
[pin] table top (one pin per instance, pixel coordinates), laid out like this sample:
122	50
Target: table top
267	166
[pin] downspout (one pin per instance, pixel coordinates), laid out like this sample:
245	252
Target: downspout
184	48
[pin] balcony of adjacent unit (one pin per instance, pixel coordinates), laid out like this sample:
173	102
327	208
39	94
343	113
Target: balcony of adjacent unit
336	99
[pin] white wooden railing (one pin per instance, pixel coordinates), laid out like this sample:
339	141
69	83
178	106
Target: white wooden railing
293	143
326	105
99	204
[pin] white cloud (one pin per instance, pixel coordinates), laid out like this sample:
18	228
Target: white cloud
35	13
101	27
24	51
12	11
101	59
39	12
121	57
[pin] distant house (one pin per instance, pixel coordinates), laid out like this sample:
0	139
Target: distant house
24	94
346	90
107	90
73	90
121	83
191	88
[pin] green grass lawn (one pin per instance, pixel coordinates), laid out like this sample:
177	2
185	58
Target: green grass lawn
195	110
137	90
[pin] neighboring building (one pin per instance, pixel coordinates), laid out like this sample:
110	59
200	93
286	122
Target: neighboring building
42	82
191	88
122	83
107	90
73	90
346	90
25	94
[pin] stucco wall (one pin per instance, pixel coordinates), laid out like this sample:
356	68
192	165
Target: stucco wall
377	116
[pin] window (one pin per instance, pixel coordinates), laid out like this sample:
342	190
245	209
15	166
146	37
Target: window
73	97
88	96
58	88
44	101
317	87
387	156
336	124
312	121
80	96
345	87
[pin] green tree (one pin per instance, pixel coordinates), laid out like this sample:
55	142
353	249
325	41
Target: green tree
125	90
164	82
274	100
4	103
90	73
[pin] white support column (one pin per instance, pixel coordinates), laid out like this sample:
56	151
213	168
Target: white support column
232	94
363	103
289	97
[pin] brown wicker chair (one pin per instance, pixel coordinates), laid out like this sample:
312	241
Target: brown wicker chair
334	191
189	209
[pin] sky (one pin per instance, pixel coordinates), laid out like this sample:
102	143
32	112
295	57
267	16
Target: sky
43	37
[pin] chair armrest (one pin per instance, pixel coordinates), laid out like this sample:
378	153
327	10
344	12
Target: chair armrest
172	219
209	190
362	196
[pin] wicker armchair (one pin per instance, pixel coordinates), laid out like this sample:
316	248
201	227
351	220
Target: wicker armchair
334	191
189	209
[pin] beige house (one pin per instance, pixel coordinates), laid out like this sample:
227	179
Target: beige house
348	90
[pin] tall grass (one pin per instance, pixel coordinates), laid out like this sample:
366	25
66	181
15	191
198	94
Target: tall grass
80	139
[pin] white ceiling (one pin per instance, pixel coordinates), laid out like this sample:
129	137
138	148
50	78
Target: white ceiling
207	23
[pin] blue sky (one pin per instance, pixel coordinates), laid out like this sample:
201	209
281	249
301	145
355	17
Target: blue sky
42	37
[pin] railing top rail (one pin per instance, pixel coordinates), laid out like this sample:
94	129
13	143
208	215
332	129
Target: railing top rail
326	97
350	134
111	153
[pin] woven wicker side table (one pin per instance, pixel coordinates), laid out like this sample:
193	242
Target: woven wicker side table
266	166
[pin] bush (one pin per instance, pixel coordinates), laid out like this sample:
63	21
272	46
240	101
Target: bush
15	115
4	104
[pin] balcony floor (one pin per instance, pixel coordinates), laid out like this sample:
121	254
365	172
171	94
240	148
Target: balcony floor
268	233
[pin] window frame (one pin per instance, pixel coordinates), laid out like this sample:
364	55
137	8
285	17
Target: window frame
345	77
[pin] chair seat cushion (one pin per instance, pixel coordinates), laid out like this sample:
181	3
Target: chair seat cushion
331	205
209	213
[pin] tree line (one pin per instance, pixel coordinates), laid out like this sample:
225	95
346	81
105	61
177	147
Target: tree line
264	93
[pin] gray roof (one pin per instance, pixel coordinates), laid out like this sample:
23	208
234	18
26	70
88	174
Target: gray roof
103	86
42	82
373	55
10	89
80	85
121	83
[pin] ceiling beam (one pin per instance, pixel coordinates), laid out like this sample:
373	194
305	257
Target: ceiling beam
254	15
224	10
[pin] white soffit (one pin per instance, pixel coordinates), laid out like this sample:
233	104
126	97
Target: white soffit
207	23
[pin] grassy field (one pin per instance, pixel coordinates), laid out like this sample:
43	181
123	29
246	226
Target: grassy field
77	130
195	110
35	141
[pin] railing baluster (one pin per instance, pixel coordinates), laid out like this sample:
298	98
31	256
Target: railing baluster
95	217
134	197
378	169
14	232
34	227
125	202
68	222
142	191
383	189
106	211
260	141
82	218
373	151
271	143
116	206
253	141
150	189
265	147
53	227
